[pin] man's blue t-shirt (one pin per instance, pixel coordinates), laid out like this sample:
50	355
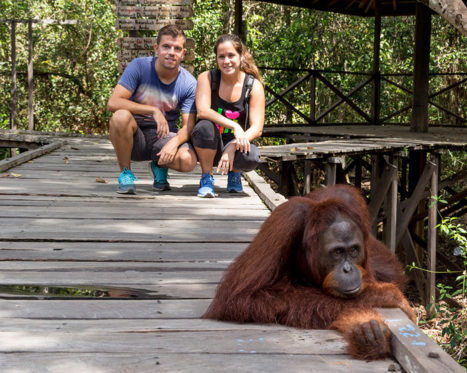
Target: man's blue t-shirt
141	79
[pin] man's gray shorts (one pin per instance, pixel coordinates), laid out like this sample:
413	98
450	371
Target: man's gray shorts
146	143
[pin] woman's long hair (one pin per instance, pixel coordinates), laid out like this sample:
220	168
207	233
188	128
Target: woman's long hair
247	63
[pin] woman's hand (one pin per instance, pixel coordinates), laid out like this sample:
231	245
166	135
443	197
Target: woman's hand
227	159
242	142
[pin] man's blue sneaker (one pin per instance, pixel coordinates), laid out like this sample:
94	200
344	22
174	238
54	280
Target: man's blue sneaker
206	186
234	182
126	182
160	176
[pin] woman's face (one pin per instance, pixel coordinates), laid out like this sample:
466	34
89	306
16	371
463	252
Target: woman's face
228	59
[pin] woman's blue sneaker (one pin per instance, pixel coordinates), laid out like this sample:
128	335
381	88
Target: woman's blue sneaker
126	182
234	182
160	176
206	186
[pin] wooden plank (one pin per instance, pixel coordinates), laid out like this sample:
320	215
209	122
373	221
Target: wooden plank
176	362
129	43
185	189
154	200
191	267
124	277
119	251
157	11
43	291
102	309
119	211
136	325
413	349
291	341
264	190
30	154
128	230
152	24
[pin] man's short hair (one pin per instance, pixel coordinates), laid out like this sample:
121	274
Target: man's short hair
171	30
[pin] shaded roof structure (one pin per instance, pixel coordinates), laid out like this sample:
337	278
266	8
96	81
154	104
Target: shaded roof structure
454	11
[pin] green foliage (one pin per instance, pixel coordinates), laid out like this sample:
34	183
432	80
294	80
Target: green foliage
76	65
452	331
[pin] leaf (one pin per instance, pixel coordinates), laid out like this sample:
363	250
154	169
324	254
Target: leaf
101	180
66	160
15	175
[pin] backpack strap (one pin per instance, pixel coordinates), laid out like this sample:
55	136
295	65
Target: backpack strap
248	86
215	79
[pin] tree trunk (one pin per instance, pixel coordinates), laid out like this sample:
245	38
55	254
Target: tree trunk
453	11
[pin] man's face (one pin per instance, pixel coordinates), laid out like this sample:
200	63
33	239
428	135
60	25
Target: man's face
170	52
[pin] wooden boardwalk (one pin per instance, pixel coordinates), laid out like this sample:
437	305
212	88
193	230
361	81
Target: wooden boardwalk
154	259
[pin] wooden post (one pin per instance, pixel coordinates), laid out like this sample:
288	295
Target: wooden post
238	28
313	98
13	124
358	172
285	186
307	177
419	121
376	104
374	179
432	222
30	79
330	170
391	206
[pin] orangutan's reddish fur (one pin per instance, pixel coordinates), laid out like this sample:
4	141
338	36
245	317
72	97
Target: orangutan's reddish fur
262	286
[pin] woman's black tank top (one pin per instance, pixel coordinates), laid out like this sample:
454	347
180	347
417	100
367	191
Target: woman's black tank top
235	111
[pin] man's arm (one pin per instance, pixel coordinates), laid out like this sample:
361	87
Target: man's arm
120	100
167	153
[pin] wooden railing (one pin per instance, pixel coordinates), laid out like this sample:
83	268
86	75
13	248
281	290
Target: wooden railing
371	113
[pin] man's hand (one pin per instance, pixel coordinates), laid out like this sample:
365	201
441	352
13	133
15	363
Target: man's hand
161	123
168	151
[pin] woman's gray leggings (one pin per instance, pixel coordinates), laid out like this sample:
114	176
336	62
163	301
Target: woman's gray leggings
206	135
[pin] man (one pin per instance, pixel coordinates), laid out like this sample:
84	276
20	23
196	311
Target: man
146	104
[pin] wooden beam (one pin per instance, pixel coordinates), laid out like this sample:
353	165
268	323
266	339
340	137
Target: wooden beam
376	89
287	104
289	88
238	27
416	196
380	191
391	206
413	349
264	190
419	121
30	154
13	124
30	80
342	96
432	222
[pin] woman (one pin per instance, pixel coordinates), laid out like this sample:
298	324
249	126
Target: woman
228	99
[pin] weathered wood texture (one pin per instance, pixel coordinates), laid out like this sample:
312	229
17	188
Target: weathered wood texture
159	256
